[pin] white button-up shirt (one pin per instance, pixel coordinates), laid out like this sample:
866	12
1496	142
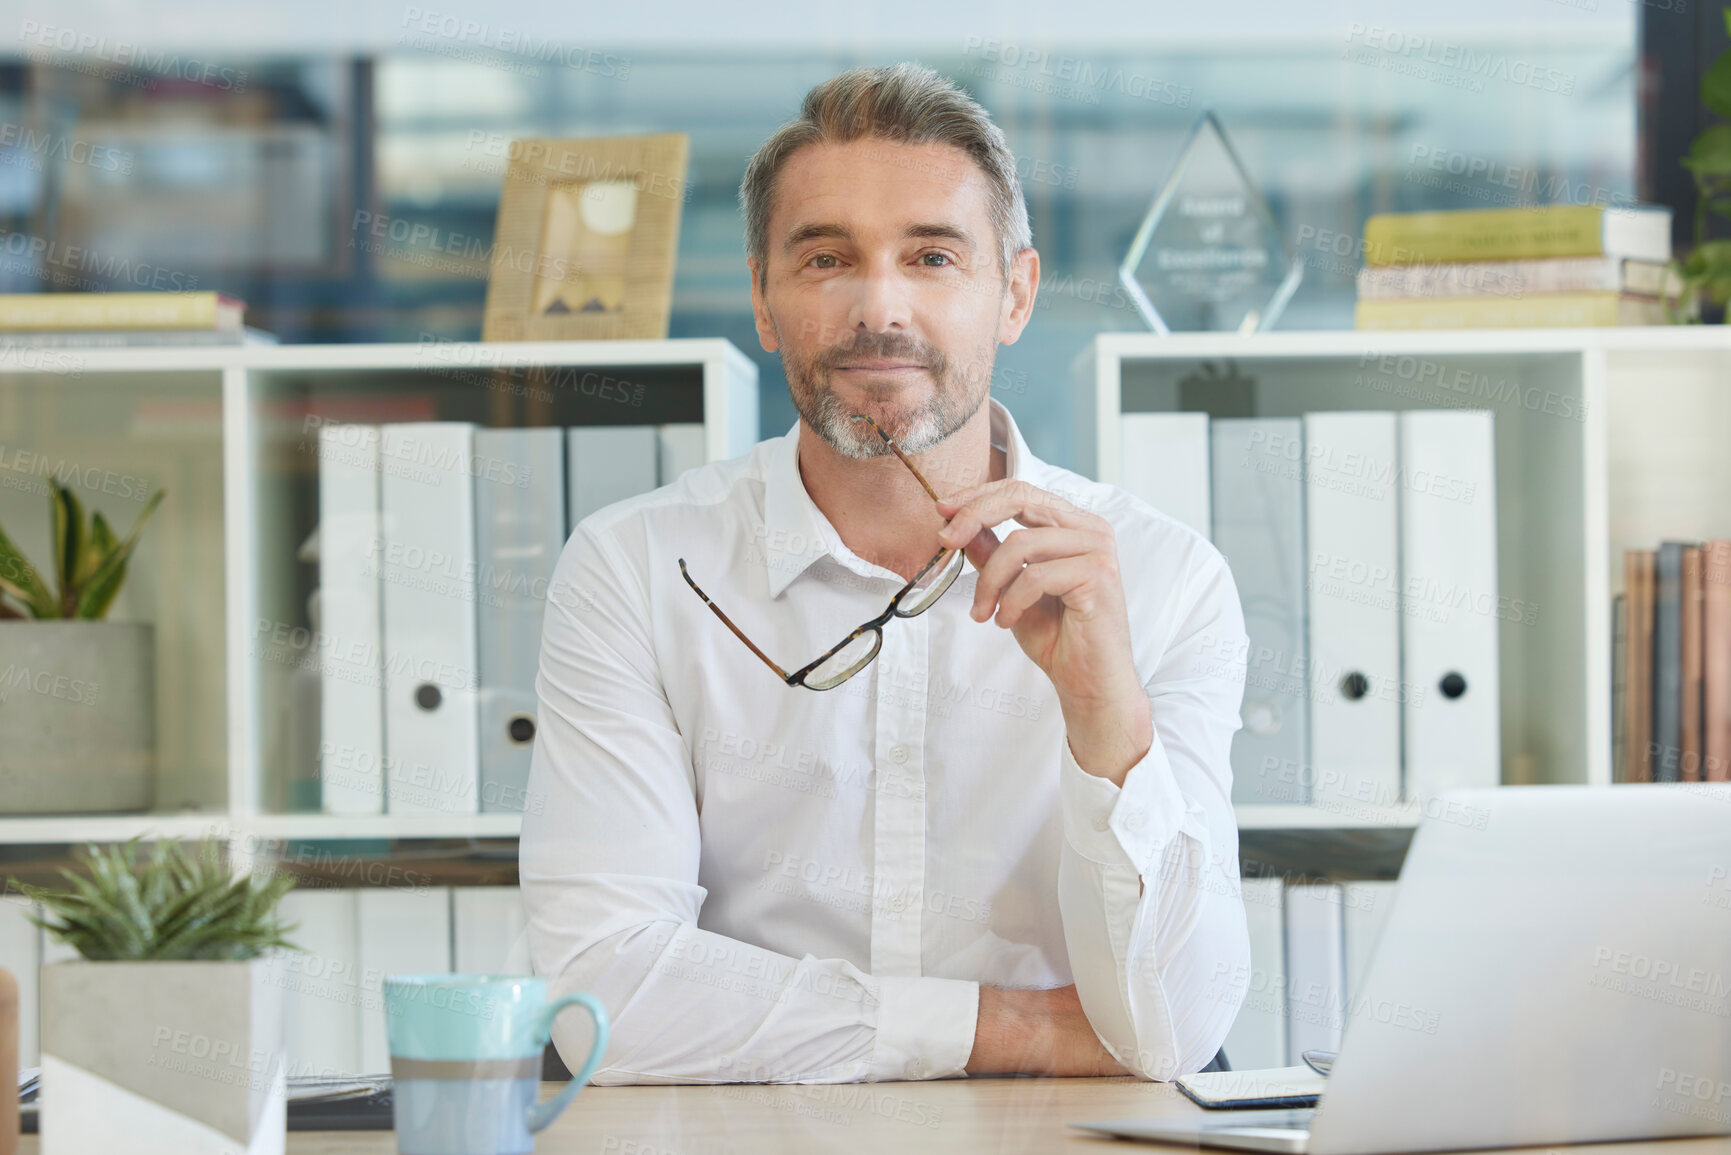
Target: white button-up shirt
765	883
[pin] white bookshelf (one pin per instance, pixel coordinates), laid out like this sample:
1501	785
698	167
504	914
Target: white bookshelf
1605	440
218	428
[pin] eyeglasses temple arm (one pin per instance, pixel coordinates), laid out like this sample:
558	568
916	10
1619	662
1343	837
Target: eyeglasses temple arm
897	450
728	622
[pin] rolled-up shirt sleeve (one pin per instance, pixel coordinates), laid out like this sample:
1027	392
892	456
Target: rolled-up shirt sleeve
609	860
1148	881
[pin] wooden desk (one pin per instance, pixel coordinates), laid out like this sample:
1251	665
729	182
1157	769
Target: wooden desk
971	1116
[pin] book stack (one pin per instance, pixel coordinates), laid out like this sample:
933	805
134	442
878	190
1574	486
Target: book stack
1671	663
1560	266
124	320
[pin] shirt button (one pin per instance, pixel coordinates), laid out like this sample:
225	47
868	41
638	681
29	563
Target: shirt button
898	754
1133	821
913	1068
1100	822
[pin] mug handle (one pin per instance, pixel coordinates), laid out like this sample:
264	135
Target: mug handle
544	1113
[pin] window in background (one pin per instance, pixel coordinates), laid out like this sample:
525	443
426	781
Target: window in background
353	200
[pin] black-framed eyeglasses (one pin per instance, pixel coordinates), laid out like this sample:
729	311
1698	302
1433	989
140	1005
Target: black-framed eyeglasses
856	651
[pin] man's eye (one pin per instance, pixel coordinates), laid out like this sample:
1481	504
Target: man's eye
944	257
823	257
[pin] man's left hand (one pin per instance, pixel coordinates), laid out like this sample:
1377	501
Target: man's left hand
1055	585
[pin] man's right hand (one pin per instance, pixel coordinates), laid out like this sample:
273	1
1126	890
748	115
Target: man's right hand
1037	1032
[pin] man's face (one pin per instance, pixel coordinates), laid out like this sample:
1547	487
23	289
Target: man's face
885	295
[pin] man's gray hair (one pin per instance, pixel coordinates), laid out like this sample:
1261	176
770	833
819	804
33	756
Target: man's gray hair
905	103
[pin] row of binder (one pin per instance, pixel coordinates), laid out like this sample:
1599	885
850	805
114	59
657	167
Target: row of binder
437	542
1363	547
1311	948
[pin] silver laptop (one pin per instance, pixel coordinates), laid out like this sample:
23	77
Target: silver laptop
1555	968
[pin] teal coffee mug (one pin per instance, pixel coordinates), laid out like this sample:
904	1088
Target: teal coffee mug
466	1061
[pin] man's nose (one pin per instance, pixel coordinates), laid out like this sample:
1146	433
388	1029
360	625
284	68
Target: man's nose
881	299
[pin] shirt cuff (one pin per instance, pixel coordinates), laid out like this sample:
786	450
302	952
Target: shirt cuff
925	1027
1129	825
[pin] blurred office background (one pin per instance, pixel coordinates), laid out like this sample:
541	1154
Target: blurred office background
338	166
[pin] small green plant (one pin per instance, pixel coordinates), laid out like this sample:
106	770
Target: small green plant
175	905
89	563
1707	269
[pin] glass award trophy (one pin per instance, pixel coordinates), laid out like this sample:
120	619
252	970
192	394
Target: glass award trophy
1209	255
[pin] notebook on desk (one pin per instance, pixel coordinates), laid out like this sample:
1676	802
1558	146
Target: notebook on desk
315	1103
1243	1090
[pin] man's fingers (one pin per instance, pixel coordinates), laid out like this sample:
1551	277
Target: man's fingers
987	505
1059	578
1023	547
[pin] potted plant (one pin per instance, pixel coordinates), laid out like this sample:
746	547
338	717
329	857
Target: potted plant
169	1025
77	699
1706	270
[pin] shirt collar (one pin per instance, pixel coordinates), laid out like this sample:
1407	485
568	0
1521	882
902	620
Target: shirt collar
796	533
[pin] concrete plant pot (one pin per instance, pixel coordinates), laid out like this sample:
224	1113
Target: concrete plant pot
77	716
172	1057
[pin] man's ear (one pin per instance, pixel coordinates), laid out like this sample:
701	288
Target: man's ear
766	334
1019	298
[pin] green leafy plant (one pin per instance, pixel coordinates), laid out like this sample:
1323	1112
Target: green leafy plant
174	905
1707	269
89	563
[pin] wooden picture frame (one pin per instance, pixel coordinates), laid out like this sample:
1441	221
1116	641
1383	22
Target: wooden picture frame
586	239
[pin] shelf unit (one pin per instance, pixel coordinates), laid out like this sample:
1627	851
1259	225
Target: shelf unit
1606	439
225	431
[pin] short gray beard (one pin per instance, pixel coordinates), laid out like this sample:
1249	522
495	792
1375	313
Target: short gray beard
953	403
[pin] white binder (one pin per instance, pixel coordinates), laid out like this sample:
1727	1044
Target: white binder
681	449
402	932
323	995
608	463
1258	500
428	574
1163	459
1315	969
1449	575
1352	503
519	528
351	703
1258	1037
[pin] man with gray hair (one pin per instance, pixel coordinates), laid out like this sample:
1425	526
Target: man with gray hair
986	832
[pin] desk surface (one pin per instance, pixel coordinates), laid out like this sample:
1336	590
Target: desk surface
950	1115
